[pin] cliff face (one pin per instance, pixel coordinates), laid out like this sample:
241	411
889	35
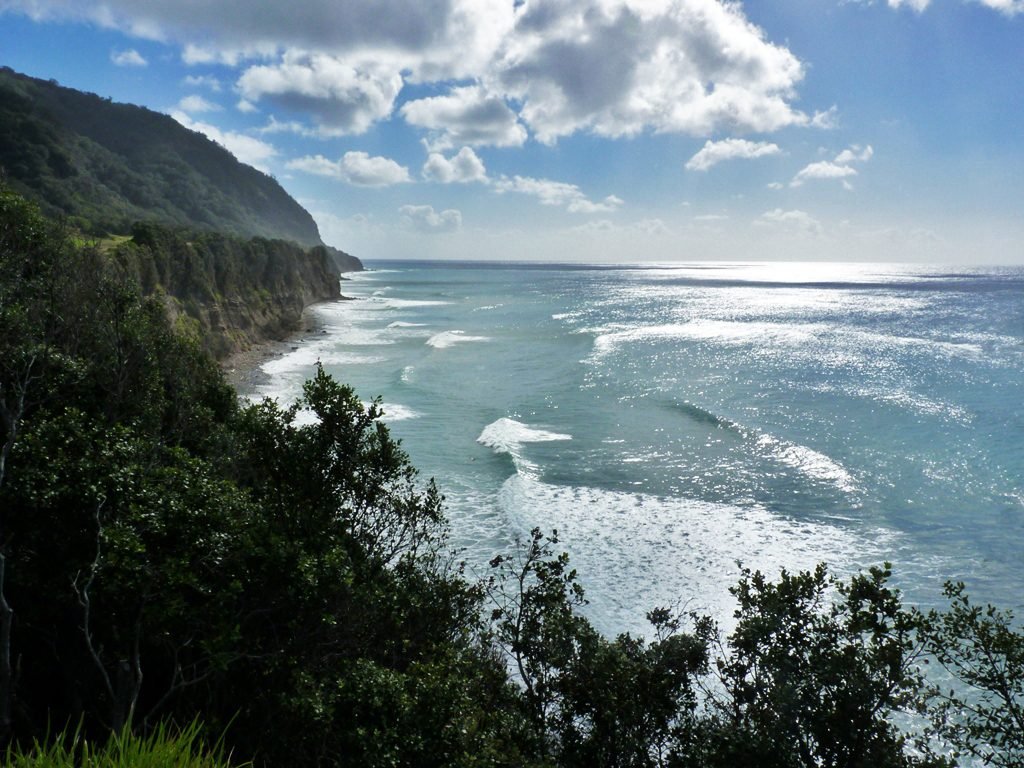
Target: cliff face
234	293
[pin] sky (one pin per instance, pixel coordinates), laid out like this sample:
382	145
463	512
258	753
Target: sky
587	130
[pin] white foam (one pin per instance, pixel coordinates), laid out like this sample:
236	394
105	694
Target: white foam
721	331
635	552
304	359
403	324
395	412
813	464
506	435
384	303
447	339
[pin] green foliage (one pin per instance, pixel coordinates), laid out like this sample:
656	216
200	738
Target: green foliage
815	672
592	702
983	650
107	165
165	747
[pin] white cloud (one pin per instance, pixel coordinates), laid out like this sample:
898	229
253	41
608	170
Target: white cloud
822	170
286	126
855	154
437	38
795	221
203	81
617	68
1007	7
610	67
340	97
827	120
424	218
129	58
356	168
557	193
247	149
837	169
197	103
246	107
917	5
714	152
466	115
462	168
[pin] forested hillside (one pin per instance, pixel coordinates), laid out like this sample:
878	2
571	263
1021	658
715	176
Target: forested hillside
106	166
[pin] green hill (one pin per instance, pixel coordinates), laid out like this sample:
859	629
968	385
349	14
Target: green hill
105	166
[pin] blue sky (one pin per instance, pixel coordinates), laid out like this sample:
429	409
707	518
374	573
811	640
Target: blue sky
616	130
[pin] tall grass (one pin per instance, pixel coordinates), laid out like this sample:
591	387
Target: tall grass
166	747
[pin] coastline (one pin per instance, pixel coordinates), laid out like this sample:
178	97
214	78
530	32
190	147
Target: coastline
244	370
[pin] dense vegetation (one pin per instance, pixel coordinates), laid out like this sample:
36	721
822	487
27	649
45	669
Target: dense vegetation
106	165
167	554
231	291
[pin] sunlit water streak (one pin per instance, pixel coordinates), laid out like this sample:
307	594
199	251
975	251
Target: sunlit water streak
673	421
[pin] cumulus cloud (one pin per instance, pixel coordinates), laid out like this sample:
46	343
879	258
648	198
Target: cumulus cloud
822	170
557	193
611	67
840	168
203	81
462	168
855	154
714	152
340	98
1006	7
439	38
129	58
424	218
617	68
467	115
826	120
795	221
196	103
356	168
917	5
247	149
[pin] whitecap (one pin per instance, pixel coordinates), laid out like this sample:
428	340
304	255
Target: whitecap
811	463
395	412
506	435
447	339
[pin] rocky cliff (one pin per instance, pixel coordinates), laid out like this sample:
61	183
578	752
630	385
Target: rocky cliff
233	292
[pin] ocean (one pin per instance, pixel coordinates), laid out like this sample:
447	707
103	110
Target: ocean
675	423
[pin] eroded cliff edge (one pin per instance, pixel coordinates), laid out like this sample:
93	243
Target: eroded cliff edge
234	293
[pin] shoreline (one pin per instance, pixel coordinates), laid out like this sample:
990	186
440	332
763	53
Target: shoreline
243	369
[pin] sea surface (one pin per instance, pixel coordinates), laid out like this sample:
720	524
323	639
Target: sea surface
675	422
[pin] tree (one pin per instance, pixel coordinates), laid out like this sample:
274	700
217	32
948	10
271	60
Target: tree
814	674
982	711
593	702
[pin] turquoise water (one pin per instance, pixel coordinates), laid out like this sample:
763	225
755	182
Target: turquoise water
673	421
